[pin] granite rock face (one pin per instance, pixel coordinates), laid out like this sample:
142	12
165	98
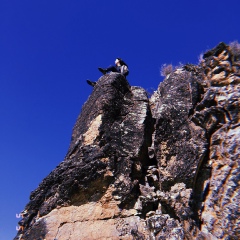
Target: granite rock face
160	168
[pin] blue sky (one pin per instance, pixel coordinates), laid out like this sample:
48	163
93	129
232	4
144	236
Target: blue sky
48	48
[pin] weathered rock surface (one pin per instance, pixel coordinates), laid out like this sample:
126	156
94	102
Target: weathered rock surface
160	168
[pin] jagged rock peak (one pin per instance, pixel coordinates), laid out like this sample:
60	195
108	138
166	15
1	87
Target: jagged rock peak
160	168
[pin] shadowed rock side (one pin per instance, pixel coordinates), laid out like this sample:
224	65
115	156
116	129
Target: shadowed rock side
100	175
163	168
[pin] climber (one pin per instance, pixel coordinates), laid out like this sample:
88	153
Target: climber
120	67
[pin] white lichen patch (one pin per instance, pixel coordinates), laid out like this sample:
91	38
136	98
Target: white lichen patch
92	131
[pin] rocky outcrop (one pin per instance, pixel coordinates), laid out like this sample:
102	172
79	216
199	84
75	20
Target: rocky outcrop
160	168
219	207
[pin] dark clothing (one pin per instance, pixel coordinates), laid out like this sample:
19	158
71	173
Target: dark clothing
121	69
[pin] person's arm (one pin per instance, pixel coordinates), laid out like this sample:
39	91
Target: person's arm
124	70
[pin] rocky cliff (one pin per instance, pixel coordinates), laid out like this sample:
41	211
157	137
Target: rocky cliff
138	168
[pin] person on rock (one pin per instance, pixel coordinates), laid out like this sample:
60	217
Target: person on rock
120	67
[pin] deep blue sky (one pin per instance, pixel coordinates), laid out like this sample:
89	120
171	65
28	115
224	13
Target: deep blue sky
48	48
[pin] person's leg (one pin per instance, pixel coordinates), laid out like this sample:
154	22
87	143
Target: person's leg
112	69
109	69
91	83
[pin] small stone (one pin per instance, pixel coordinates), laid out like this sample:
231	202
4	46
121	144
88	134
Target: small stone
149	214
117	197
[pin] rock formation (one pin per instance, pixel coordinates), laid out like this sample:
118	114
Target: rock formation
138	168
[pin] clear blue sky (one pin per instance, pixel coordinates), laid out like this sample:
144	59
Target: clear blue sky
48	48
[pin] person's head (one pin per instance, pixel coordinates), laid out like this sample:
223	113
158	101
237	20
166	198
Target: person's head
117	61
